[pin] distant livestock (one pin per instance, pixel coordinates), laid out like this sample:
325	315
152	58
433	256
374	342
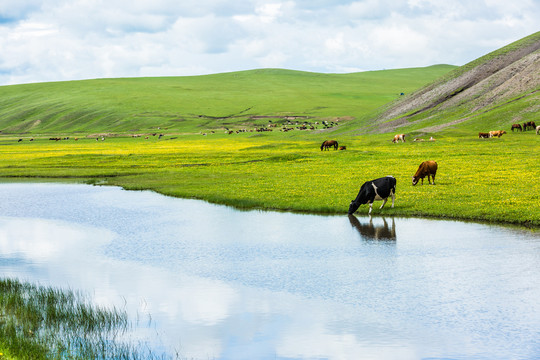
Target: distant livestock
516	127
342	148
538	130
530	125
482	135
427	168
399	137
327	144
497	133
378	189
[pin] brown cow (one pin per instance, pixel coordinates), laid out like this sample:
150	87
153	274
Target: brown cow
482	135
399	137
497	133
427	168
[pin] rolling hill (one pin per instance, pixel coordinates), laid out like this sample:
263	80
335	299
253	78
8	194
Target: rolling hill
200	103
494	91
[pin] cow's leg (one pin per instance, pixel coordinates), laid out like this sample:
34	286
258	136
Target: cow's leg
393	199
370	208
433	177
383	202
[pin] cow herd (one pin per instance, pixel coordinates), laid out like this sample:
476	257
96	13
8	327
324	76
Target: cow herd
385	187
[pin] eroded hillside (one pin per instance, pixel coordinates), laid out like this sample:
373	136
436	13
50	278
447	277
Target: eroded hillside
486	85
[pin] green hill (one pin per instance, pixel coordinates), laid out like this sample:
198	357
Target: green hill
492	92
200	103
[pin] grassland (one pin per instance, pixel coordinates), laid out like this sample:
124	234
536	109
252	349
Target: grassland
493	180
199	103
483	180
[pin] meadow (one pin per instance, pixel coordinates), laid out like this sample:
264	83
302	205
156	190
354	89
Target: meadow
194	104
493	180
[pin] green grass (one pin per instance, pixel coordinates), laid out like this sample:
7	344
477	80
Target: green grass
199	103
38	322
493	180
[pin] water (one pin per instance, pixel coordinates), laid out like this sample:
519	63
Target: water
210	282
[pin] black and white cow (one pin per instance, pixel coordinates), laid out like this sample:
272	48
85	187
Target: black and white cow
378	189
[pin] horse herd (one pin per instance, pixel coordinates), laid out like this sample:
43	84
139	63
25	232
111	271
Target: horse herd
529	125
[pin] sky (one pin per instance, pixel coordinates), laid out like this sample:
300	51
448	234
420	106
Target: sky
57	40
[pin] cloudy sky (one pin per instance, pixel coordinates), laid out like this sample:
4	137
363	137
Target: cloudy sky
52	40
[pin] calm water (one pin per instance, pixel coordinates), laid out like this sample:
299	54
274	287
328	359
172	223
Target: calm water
214	283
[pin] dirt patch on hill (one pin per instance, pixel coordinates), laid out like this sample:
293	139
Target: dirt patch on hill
496	80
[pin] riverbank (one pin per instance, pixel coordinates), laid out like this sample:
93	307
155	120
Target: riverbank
39	322
488	180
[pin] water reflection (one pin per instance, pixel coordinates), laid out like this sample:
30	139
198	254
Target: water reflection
263	285
369	231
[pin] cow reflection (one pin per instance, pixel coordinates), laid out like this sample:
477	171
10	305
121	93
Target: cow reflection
370	231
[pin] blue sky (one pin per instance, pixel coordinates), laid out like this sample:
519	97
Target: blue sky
55	40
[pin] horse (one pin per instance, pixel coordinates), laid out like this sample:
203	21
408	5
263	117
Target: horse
516	127
529	125
327	144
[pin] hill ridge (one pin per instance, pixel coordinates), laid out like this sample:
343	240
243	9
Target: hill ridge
509	74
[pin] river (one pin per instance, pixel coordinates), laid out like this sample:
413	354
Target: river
210	282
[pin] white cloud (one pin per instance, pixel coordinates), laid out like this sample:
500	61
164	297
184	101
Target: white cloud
65	40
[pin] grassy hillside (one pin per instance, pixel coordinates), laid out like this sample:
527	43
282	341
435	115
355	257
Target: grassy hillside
492	92
200	103
479	179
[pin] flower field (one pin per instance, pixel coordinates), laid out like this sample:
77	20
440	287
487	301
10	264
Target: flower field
494	180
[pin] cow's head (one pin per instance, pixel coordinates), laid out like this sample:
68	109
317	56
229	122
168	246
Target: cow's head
415	180
353	207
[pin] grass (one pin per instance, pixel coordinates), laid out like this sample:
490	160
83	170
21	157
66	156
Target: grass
38	322
494	180
199	103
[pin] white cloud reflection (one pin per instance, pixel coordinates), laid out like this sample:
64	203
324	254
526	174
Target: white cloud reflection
277	285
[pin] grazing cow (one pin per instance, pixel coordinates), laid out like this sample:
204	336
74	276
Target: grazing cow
378	189
538	130
327	144
427	168
399	137
418	139
482	135
497	133
342	148
516	127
